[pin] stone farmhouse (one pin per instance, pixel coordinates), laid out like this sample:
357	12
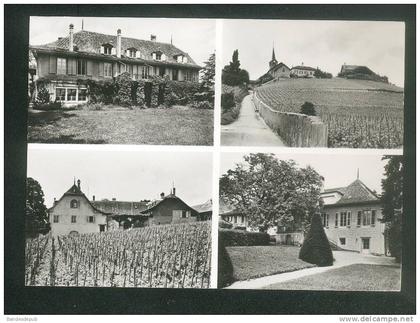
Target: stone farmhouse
74	213
62	66
277	70
351	218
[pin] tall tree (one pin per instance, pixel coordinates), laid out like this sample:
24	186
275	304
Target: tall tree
36	211
208	77
392	203
272	192
232	74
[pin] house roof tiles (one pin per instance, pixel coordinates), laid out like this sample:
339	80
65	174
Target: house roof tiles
356	192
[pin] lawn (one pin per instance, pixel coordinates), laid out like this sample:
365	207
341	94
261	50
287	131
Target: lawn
175	126
357	277
259	261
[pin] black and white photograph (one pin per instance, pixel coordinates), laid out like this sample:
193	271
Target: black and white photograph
95	80
143	224
296	83
310	222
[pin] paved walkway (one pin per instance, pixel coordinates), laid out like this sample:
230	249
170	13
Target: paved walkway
249	130
342	258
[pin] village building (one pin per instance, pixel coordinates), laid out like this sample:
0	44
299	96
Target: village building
170	209
64	65
303	71
277	70
204	211
351	218
73	213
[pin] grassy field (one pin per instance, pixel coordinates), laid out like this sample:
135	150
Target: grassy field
358	113
259	261
358	277
175	126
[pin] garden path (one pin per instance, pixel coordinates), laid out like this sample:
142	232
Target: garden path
341	259
249	130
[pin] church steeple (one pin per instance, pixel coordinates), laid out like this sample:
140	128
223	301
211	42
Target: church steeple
273	61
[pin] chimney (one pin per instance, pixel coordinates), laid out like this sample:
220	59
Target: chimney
60	38
71	37
153	37
114	199
119	43
162	195
78	183
93	198
173	191
55	201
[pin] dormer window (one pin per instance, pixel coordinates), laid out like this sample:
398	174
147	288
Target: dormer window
74	204
131	52
180	58
107	49
157	55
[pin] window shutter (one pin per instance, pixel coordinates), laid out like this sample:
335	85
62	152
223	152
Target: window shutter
72	66
94	220
154	55
113	51
53	65
137	54
87	219
127	53
101	69
102	50
89	68
163	57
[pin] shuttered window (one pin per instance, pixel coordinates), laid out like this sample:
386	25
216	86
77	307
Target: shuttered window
81	67
53	65
107	69
61	66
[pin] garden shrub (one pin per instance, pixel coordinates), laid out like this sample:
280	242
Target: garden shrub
308	108
123	85
225	225
227	101
316	247
202	105
182	93
230	237
50	106
43	96
224	267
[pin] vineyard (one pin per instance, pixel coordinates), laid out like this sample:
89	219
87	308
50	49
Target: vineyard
168	256
359	114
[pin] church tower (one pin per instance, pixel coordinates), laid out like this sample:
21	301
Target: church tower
273	61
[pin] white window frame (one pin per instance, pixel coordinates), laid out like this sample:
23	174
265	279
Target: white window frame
325	220
61	64
78	96
65	94
107	69
91	217
366	218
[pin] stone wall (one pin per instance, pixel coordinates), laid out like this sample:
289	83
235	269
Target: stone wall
295	129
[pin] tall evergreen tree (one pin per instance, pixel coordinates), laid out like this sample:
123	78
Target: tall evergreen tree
208	77
392	203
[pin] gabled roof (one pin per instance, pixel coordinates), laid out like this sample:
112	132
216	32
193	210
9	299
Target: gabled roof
205	207
281	64
226	208
153	205
75	190
356	192
120	207
304	68
88	41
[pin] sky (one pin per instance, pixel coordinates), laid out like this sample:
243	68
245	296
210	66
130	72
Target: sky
323	44
194	36
339	170
125	175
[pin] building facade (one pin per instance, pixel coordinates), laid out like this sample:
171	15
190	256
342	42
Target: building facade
303	71
351	218
170	209
63	65
73	213
278	70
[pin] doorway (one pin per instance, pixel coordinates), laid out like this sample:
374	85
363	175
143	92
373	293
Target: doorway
365	245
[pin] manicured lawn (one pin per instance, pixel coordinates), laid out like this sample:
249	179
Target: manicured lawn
358	277
259	261
175	126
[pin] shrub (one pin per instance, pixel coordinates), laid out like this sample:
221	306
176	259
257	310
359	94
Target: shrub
308	108
224	267
225	225
230	237
316	247
227	101
180	93
123	85
43	96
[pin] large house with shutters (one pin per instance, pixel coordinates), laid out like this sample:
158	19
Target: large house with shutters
63	65
351	219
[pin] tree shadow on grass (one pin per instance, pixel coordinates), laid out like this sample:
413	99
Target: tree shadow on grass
41	118
67	139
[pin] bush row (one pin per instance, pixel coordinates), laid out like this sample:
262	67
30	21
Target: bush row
229	237
231	103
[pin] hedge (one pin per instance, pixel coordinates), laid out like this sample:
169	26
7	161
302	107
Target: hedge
230	237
